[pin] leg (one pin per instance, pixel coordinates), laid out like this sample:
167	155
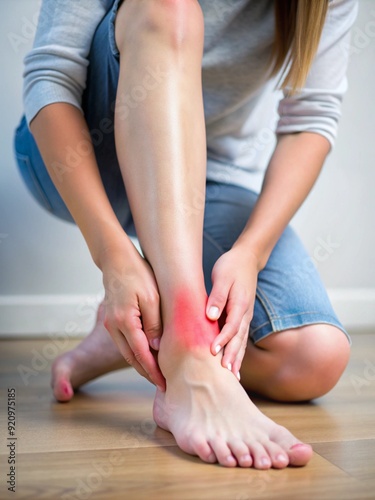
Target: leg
297	364
162	177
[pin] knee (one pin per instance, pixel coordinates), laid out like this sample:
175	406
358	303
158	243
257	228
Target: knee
315	364
177	23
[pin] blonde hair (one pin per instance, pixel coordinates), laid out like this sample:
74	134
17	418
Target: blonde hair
298	28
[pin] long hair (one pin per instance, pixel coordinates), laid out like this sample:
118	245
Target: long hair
298	28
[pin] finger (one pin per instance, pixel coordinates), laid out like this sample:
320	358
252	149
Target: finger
139	345
218	298
235	348
236	311
151	319
123	347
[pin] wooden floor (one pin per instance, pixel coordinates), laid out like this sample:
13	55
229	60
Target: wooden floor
104	444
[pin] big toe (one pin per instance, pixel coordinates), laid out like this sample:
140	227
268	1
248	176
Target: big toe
300	454
61	385
63	391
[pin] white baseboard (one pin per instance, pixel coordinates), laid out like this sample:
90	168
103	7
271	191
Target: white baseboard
74	315
43	315
355	307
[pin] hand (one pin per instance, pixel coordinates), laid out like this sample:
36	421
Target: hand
234	279
133	310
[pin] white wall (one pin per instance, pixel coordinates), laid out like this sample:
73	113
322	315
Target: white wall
44	262
47	280
341	208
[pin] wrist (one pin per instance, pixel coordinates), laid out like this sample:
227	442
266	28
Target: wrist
256	253
110	246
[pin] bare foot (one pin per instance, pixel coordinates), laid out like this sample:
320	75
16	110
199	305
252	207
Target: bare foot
93	357
210	415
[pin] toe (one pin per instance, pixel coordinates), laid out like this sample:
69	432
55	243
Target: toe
223	453
242	454
278	456
63	390
300	454
60	383
201	448
261	459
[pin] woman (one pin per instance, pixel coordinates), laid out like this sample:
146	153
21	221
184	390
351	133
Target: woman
167	99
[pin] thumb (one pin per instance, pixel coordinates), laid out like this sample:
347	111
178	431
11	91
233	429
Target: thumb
217	300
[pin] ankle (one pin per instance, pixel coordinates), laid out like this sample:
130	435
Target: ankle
185	320
187	331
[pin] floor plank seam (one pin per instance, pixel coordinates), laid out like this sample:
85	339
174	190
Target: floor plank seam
348	474
45	452
343	440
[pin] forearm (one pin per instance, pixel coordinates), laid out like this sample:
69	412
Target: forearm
59	130
292	172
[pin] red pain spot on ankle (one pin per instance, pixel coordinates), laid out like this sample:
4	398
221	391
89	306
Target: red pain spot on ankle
190	321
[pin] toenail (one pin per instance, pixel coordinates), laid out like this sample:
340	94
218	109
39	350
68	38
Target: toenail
230	458
282	458
211	458
265	461
246	458
298	445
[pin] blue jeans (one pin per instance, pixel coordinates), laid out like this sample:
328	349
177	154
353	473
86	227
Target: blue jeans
289	292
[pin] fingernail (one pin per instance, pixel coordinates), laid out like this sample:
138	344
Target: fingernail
238	376
213	312
229	366
155	344
217	348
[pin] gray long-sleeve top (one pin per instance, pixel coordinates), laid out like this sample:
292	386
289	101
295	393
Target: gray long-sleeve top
243	111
